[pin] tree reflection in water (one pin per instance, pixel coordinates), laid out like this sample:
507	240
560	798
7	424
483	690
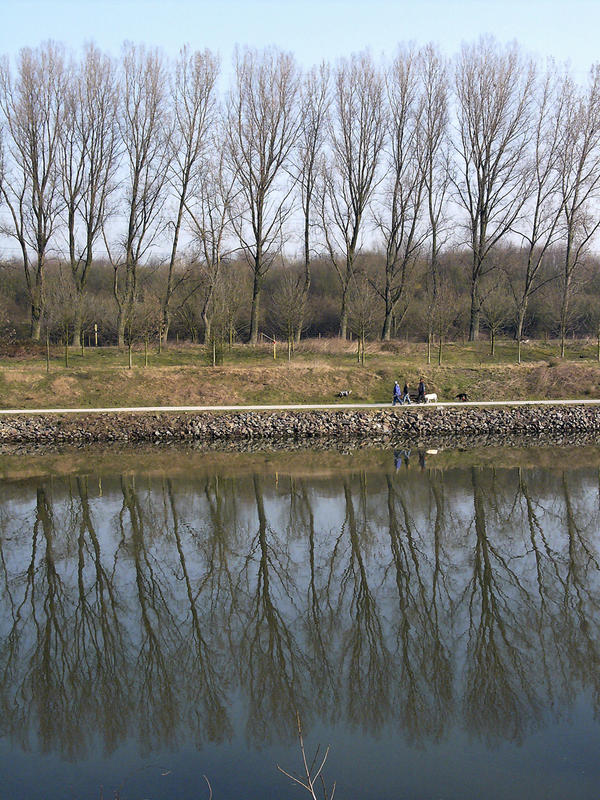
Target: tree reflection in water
420	599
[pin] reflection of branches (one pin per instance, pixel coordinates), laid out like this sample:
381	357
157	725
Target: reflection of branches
369	673
194	594
158	697
49	665
100	643
207	702
499	692
425	690
580	640
268	648
14	716
325	683
544	559
222	515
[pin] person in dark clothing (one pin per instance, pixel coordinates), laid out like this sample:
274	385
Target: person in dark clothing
396	396
405	394
421	391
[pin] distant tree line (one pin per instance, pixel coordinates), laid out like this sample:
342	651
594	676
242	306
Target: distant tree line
426	196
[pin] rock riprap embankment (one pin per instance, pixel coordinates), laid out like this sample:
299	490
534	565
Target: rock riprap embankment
378	425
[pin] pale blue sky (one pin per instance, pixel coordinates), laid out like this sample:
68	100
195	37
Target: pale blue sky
312	29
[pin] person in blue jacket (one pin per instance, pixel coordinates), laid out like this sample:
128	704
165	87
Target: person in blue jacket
397	394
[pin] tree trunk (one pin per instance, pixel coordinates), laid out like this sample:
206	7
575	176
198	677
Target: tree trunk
77	322
166	316
36	294
207	326
121	328
66	345
386	331
474	320
564	312
303	301
166	324
521	319
36	322
256	289
344	314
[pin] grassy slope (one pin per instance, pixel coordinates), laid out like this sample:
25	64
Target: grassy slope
318	370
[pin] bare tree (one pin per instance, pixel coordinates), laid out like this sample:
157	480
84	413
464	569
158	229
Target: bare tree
209	208
32	103
227	300
60	308
144	126
356	137
261	131
194	111
399	219
433	135
494	92
88	159
444	312
495	309
144	323
362	311
287	310
538	226
579	167
314	101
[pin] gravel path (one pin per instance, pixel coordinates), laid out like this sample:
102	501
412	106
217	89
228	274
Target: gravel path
290	407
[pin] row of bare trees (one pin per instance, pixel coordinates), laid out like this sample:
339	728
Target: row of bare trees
141	161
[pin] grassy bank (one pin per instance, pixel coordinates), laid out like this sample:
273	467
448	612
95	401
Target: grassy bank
184	375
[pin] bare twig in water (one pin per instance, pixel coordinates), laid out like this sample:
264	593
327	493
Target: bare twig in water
311	776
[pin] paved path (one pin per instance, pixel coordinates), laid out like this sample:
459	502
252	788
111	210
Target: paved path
290	407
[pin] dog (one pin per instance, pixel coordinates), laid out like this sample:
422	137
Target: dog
463	397
344	393
431	397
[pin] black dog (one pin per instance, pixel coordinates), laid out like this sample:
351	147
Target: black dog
463	397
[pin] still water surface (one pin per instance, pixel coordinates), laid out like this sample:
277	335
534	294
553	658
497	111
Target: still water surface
434	618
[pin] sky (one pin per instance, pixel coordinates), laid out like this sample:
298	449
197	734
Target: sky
314	30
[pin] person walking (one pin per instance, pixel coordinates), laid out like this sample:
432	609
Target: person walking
396	396
406	394
421	391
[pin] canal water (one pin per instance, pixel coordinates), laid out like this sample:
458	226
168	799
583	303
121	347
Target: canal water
167	617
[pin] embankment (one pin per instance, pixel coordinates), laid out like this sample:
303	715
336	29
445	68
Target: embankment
377	425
